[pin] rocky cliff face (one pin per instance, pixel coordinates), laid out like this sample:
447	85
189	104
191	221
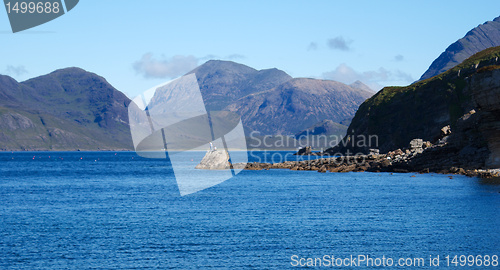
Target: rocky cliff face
466	98
482	37
474	142
485	88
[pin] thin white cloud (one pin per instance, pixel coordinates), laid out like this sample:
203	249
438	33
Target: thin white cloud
375	79
178	65
403	76
312	46
231	57
15	70
208	57
339	43
399	58
235	56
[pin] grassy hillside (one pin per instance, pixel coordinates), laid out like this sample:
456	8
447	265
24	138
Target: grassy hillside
399	114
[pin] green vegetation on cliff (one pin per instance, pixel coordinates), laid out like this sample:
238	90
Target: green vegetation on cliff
399	114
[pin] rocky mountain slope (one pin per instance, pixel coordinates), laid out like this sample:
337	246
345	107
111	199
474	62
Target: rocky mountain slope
298	104
223	82
482	37
464	98
361	86
271	102
68	109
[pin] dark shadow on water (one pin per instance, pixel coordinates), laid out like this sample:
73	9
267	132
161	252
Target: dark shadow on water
490	181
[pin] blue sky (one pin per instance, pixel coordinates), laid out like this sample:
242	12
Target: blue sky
139	44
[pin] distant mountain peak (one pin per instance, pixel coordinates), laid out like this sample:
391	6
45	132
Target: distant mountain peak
272	102
359	85
69	69
223	82
74	71
67	109
480	38
222	65
68	72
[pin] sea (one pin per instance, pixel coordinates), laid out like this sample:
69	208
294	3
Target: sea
117	210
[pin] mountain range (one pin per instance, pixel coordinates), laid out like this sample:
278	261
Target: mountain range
273	103
297	105
72	109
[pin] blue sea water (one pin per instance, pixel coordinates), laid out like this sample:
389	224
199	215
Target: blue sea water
107	210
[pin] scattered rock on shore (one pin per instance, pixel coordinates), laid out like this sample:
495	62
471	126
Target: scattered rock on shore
413	159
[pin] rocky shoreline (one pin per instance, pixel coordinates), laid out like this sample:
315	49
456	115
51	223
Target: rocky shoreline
414	159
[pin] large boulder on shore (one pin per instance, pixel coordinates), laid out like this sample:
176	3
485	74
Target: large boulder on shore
215	160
